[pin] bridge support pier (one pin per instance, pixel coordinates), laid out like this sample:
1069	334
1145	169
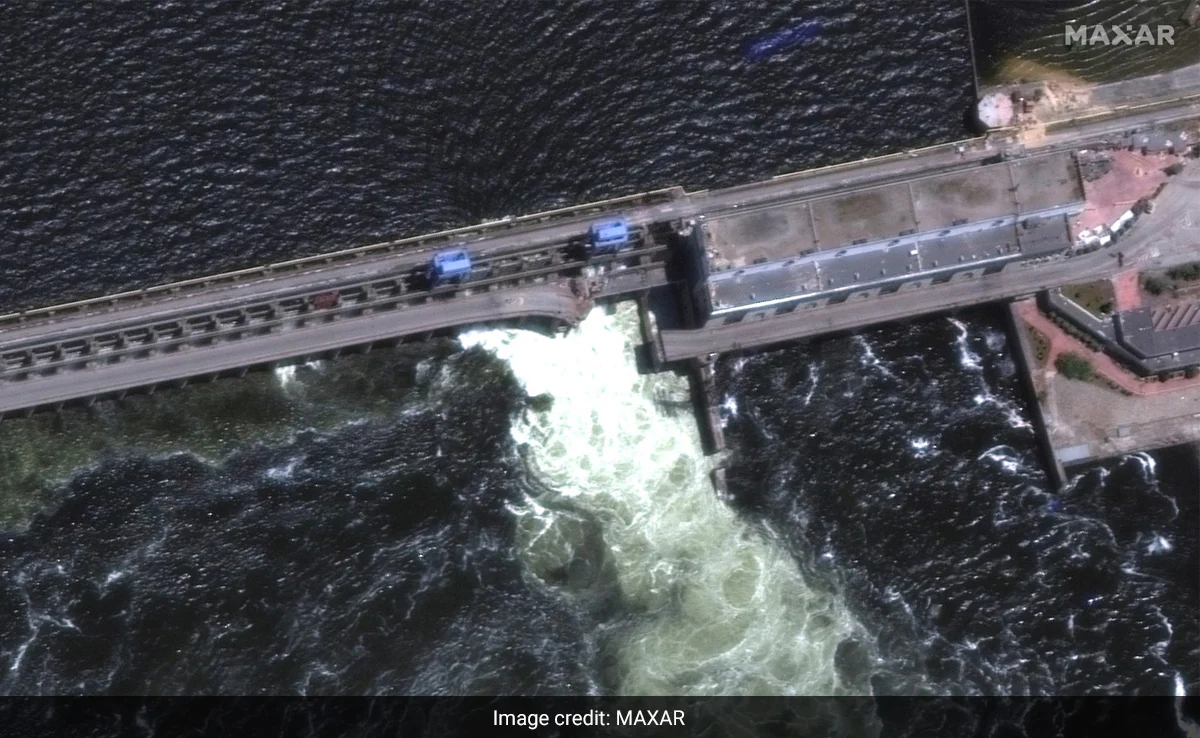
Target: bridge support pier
708	410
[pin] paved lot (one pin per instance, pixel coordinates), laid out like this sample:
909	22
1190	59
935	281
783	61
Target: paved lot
1112	424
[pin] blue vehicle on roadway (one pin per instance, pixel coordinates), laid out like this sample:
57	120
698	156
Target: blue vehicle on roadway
451	266
609	236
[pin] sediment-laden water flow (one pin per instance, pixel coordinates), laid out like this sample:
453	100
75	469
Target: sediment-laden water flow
525	513
710	604
412	521
549	530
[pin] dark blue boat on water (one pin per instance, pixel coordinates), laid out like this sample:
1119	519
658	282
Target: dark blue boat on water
779	42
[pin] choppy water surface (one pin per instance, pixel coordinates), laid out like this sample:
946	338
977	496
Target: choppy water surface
900	466
513	512
147	141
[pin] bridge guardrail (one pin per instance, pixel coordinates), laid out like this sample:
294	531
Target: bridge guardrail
641	198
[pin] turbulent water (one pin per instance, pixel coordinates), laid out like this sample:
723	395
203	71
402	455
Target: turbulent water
901	468
513	512
711	605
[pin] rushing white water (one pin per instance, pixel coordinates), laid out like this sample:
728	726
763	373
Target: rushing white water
720	608
285	375
968	358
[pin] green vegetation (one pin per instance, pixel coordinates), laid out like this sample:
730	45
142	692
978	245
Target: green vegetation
39	454
541	403
1094	297
1186	272
1191	372
1154	285
1072	330
1041	345
1074	366
1173	280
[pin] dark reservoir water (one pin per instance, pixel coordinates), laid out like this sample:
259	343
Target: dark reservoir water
144	141
412	521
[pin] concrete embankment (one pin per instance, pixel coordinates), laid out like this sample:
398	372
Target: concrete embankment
1026	364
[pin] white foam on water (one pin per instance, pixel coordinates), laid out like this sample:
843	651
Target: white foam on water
814	374
1160	648
284	472
1003	455
968	358
1147	463
1150	464
730	406
721	608
1159	545
869	358
1011	412
285	375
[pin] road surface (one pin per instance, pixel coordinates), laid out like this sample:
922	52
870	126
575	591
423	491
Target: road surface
553	302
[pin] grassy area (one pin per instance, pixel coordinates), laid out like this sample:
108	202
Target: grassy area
1094	297
1074	366
1186	272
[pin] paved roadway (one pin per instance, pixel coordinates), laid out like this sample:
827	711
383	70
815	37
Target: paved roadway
101	318
554	302
557	301
1169	236
787	188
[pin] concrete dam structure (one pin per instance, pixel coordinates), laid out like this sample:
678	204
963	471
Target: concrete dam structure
866	242
799	255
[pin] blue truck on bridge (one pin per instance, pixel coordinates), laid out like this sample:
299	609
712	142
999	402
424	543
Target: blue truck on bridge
449	266
609	236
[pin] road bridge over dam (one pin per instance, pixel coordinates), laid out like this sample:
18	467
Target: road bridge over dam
799	255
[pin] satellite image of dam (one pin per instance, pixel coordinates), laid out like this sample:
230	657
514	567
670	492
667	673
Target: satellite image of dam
807	348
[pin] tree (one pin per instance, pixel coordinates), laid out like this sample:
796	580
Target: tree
1074	366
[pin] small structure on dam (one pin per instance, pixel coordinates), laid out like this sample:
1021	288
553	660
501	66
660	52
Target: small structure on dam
862	243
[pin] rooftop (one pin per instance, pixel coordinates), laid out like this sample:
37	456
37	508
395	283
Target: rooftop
888	212
866	237
1153	333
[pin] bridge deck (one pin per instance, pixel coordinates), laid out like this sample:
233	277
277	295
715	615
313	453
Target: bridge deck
173	356
550	302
